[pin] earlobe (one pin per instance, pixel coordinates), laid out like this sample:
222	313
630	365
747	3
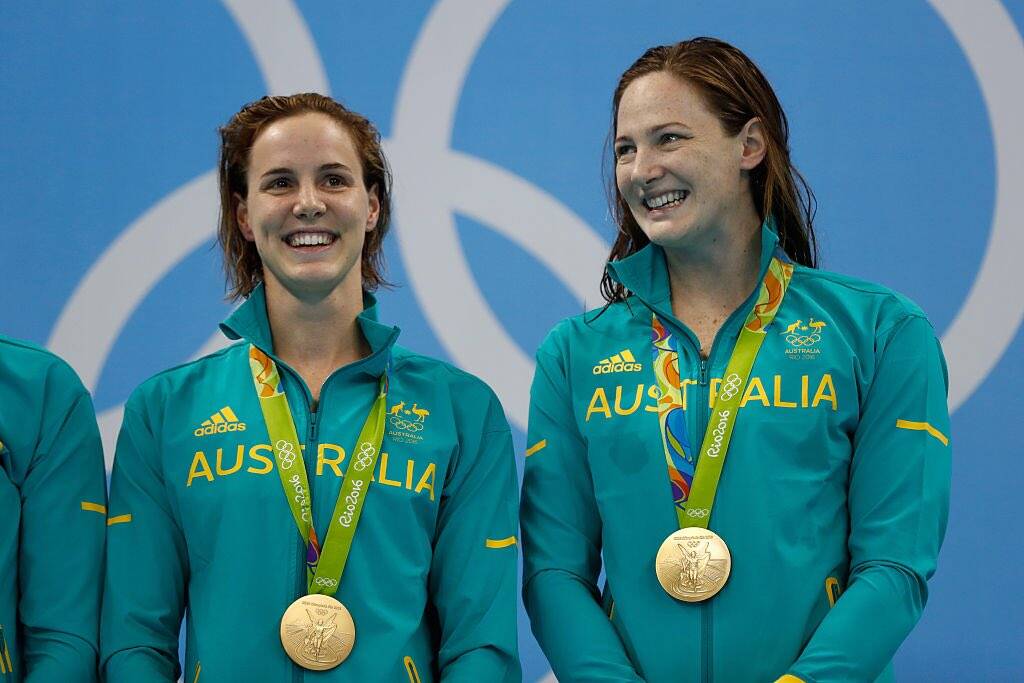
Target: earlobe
242	218
374	213
755	145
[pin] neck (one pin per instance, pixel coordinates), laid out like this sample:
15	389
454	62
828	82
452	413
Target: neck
316	333
710	281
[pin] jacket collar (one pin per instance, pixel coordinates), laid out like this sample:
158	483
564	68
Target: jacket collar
250	323
645	273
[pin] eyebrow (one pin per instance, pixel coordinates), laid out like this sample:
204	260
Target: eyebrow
655	129
283	170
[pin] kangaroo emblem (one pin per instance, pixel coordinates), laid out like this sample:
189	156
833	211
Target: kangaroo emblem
794	327
421	413
397	408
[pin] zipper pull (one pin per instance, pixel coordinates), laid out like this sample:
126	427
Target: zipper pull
703	379
312	426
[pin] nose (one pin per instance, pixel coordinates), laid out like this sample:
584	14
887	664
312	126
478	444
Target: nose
308	204
646	167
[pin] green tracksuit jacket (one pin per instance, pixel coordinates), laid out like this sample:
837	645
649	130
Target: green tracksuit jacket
52	519
200	526
835	489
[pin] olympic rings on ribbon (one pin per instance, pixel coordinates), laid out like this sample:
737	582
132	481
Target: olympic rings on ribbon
365	456
730	387
285	454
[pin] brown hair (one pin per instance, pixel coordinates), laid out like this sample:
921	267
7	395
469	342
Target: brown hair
241	261
736	91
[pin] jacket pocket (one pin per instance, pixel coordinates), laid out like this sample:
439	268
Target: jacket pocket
410	669
6	666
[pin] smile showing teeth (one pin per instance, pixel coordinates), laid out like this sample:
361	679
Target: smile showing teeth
668	199
309	239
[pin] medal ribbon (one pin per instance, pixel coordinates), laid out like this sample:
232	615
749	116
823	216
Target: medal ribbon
323	569
694	481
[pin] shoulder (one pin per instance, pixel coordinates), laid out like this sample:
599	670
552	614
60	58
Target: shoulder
605	323
170	382
875	308
456	380
472	401
38	370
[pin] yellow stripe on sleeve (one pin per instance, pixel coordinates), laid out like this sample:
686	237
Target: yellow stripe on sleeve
923	427
539	446
120	519
501	542
199	668
94	507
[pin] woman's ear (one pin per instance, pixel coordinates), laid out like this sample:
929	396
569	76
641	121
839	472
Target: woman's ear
374	213
755	145
242	217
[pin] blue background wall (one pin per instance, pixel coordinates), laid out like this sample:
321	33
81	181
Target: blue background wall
906	120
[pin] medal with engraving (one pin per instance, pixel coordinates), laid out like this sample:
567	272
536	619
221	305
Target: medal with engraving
317	631
693	563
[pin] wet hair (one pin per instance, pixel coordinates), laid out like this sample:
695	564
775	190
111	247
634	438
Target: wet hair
735	91
242	264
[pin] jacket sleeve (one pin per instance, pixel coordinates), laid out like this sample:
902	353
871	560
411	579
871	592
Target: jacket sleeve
147	566
898	506
63	505
473	571
562	541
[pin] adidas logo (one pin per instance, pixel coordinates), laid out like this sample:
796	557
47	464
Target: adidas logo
224	420
623	361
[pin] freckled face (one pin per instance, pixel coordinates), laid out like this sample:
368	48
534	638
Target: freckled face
306	209
679	172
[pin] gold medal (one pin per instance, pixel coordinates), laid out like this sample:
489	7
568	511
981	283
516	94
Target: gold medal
317	632
693	564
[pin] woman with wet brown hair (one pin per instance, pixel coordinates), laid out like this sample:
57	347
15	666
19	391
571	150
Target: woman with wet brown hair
315	496
804	556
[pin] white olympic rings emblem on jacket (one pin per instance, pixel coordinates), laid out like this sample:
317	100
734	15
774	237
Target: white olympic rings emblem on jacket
730	387
285	453
365	456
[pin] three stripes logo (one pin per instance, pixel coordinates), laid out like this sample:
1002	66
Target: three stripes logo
224	420
623	361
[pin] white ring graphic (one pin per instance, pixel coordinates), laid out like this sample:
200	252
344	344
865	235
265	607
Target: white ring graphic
96	313
995	50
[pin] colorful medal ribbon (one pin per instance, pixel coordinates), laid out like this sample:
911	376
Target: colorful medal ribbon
694	481
323	569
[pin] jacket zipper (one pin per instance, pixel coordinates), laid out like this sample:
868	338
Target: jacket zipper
706	625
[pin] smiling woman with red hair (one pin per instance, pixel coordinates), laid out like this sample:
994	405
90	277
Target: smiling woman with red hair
804	557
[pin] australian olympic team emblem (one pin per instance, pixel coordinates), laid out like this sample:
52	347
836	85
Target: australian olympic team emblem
803	339
407	424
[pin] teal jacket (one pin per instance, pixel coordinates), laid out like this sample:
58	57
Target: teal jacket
200	526
52	519
833	500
